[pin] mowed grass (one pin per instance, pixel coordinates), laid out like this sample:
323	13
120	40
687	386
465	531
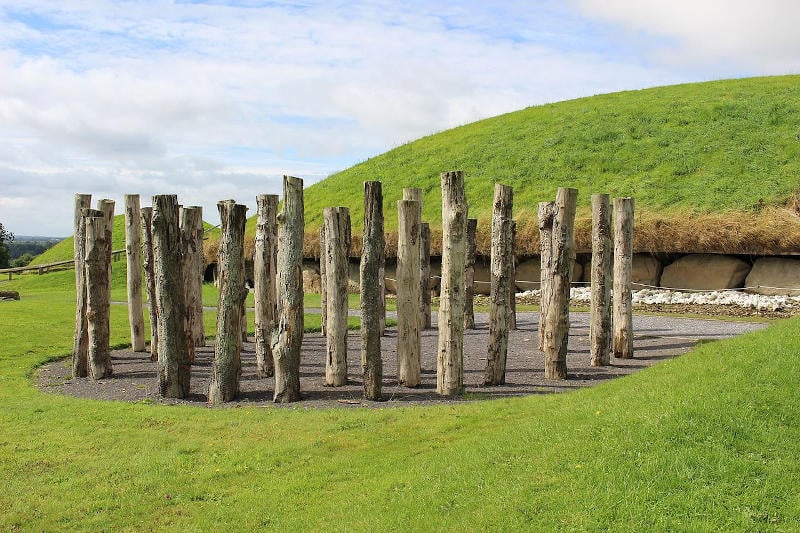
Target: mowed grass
707	441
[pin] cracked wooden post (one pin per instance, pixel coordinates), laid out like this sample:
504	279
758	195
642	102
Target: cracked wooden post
98	297
425	274
450	357
337	225
106	206
227	369
173	358
371	269
133	256
469	275
563	257
512	296
80	344
408	300
501	281
191	221
547	212
623	262
149	278
265	270
600	306
288	335
323	295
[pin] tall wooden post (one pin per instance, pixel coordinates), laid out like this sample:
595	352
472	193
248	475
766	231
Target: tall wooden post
133	255
288	336
600	306
372	258
512	296
80	344
323	293
469	275
265	271
149	278
106	206
227	367
425	274
450	357
501	282
623	262
408	327
337	223
547	211
563	257
173	358
98	298
192	235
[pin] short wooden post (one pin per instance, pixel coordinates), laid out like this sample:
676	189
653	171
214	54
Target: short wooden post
600	305
450	356
288	336
133	255
265	272
501	281
372	258
425	274
149	278
98	298
408	300
469	275
192	236
80	344
512	316
227	367
323	293
563	257
173	358
623	262
337	223
106	206
547	212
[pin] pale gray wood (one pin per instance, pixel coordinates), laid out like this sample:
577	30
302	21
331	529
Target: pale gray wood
469	275
80	344
98	298
149	278
600	304
563	257
323	297
265	277
547	212
337	225
371	272
106	206
133	256
623	263
512	308
450	356
425	274
408	299
288	335
191	224
501	282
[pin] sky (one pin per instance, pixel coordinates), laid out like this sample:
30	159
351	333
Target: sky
213	100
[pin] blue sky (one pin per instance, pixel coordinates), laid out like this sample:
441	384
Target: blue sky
215	100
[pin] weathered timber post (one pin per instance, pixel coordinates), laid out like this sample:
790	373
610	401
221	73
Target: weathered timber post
288	335
106	206
337	223
265	272
173	358
190	292
450	357
425	274
512	295
623	262
149	278
80	344
469	275
408	327
323	294
600	306
547	211
372	258
382	289
563	257
98	298
499	303
227	367
133	255
192	235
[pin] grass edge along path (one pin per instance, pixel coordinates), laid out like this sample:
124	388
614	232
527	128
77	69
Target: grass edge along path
705	441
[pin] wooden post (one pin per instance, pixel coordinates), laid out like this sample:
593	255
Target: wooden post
133	255
408	300
425	274
372	258
80	344
149	278
623	262
106	206
450	357
547	212
563	256
173	358
323	293
288	336
265	271
98	298
192	236
337	225
600	306
227	367
501	281
469	276
512	296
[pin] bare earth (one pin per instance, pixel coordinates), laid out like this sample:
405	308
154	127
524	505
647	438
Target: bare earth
656	339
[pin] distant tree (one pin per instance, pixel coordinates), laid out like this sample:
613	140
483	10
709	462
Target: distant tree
5	237
22	260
